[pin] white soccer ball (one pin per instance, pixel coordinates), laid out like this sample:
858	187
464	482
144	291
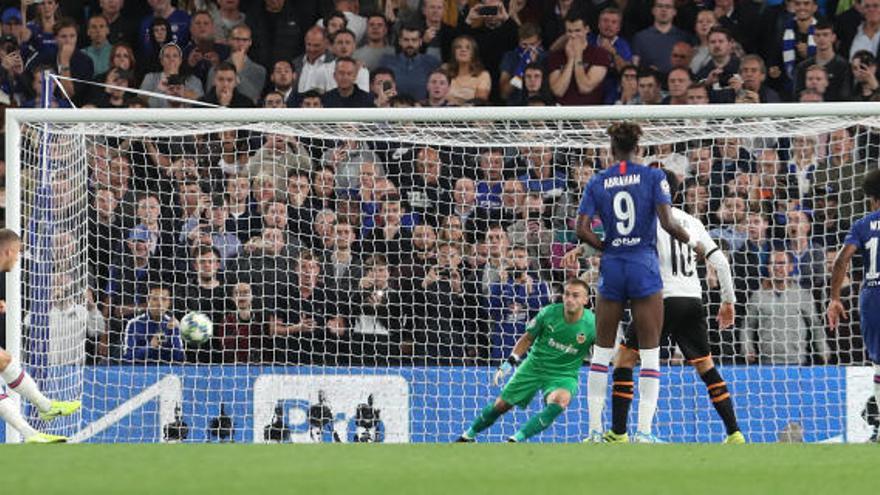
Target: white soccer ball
196	328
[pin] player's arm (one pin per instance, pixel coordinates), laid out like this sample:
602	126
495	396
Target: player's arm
836	310
664	215
585	232
522	346
717	260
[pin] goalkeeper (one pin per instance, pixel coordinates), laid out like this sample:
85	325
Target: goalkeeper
560	338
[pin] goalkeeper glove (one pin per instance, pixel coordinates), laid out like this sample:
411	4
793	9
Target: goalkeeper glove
506	369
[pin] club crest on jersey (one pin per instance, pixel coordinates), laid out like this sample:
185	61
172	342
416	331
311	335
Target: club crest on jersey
581	338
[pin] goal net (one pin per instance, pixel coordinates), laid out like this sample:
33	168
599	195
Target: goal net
366	271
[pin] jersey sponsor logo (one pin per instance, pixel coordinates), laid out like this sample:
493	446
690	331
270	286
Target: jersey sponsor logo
581	338
626	241
559	346
622	180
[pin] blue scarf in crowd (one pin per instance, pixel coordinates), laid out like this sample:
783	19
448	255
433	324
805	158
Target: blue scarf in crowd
789	43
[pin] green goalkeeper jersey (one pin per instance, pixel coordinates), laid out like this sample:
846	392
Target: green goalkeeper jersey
560	347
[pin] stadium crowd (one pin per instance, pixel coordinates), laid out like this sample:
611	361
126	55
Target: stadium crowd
316	251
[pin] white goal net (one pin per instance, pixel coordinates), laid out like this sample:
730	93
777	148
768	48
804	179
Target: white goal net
365	276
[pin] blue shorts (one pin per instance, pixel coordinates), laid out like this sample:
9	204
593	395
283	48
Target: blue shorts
632	277
869	309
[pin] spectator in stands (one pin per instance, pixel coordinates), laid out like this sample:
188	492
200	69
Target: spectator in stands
532	231
383	87
492	34
514	300
283	80
309	64
354	22
706	20
779	319
176	20
115	96
577	71
311	99
837	68
274	99
608	37
226	17
149	216
422	190
752	75
342	266
678	81
437	89
279	154
66	60
123	28
321	237
99	45
411	67
697	94
469	81
225	92
865	36
226	242
323	190
544	176
379	322
127	284
298	315
153	336
390	237
629	86
203	52
731	227
652	46
278	27
807	256
251	75
496	245
342	46
121	58
741	19
514	62
346	94
681	56
160	35
464	203
39	35
795	43
242	213
843	164
491	178
205	292
376	45
437	35
171	58
864	71
723	63
817	80
105	233
650	89
242	331
14	80
750	262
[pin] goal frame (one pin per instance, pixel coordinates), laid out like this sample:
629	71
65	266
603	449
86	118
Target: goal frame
15	118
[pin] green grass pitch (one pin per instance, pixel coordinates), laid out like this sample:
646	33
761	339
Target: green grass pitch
441	469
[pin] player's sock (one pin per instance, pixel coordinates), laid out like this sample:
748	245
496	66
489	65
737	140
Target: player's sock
24	385
621	398
649	387
597	383
539	422
13	418
485	419
720	397
877	383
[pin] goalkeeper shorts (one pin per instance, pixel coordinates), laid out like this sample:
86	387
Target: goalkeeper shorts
521	388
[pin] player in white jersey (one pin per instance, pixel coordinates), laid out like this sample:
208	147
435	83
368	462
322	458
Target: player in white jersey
684	319
15	377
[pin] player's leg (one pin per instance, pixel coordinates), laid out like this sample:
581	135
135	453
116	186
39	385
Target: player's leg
870	327
720	396
622	388
486	418
609	312
648	320
555	403
17	379
12	417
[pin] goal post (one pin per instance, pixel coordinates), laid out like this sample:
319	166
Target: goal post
400	342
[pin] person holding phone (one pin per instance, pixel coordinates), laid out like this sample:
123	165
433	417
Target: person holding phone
864	70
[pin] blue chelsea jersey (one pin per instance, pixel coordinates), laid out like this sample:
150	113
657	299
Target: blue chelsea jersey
625	197
865	235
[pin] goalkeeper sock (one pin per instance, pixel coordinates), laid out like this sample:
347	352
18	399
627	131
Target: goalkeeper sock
621	398
720	397
485	419
539	422
597	385
649	387
24	385
13	418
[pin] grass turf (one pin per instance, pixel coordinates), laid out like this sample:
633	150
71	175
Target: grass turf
442	469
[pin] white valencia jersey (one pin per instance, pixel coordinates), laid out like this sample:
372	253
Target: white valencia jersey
678	263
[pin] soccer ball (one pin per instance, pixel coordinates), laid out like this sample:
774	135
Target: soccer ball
196	328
